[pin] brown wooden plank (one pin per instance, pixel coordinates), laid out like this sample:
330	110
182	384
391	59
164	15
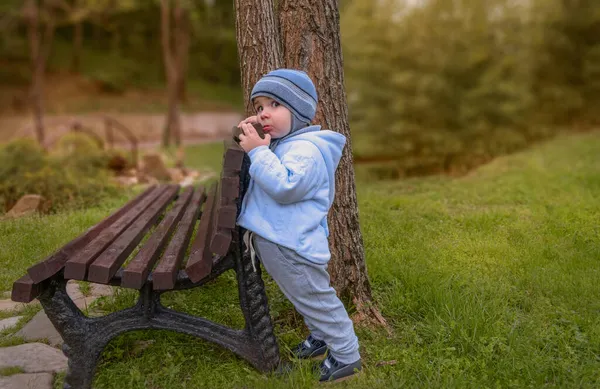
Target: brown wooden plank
220	242
76	267
165	274
199	263
233	156
230	186
221	238
236	132
226	217
54	263
24	290
111	259
227	205
136	272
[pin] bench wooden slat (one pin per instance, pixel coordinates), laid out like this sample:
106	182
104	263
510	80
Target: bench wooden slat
230	191
230	186
233	156
111	259
199	263
165	274
136	272
54	263
221	238
24	290
226	205
227	216
220	242
76	267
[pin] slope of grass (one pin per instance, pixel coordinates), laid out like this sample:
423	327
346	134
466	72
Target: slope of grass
489	280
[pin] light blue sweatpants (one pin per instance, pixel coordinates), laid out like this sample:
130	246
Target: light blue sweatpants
307	286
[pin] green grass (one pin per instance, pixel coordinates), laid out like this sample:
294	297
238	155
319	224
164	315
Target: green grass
8	371
487	281
27	240
208	156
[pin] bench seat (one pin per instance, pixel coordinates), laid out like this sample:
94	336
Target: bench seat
100	255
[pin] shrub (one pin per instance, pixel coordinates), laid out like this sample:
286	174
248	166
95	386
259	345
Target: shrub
81	153
72	176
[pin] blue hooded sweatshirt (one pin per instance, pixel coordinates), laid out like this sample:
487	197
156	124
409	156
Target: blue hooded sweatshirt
291	190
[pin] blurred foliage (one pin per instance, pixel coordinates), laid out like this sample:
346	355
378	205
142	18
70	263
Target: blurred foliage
73	175
446	85
433	85
129	30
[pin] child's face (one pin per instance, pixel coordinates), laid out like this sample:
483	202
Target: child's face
274	117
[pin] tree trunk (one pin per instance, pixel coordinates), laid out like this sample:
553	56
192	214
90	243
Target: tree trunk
173	116
310	32
39	50
77	43
172	127
258	43
182	53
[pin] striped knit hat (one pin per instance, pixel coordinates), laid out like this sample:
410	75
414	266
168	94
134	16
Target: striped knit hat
291	88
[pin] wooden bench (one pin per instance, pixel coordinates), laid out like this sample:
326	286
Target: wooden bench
100	256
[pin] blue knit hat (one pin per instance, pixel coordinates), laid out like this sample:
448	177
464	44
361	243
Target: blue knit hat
291	88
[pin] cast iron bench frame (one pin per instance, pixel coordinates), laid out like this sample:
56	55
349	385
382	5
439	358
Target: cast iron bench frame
99	255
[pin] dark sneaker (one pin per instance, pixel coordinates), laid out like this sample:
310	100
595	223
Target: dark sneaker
310	348
332	370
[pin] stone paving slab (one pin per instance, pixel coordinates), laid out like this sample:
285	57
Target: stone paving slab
10	322
9	305
33	358
83	302
99	290
27	381
40	327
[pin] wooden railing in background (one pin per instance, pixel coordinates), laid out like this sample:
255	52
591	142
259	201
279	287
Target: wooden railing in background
110	125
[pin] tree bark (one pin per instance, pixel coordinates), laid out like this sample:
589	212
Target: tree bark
259	49
310	31
39	46
172	127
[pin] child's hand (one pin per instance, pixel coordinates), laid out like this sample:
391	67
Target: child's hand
250	138
251	119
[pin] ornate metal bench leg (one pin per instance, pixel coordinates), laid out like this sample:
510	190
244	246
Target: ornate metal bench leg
253	301
79	345
82	365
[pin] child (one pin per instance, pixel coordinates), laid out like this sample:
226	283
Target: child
285	208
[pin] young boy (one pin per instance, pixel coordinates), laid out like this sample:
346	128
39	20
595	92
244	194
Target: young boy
285	208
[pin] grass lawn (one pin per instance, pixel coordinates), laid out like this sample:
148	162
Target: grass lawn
489	280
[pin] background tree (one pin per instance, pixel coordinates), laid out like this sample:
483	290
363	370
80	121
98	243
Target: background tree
310	31
175	45
78	12
38	15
